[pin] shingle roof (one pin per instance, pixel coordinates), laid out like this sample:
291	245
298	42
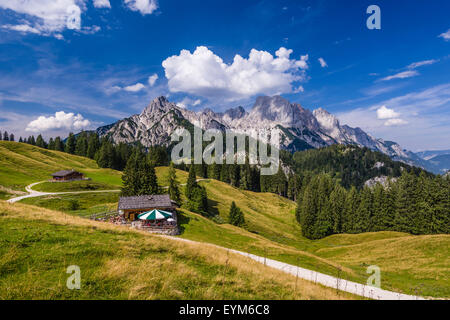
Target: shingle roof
145	202
63	173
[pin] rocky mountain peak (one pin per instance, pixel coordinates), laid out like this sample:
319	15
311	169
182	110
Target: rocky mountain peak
158	105
235	113
280	111
326	120
299	128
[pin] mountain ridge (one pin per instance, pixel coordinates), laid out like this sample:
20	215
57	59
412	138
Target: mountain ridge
299	128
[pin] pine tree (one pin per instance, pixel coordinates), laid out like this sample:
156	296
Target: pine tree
70	144
51	144
280	182
309	210
379	197
406	203
40	142
214	171
106	157
363	216
234	175
336	207
59	145
20	140
93	146
174	192
158	156
423	208
244	175
439	222
11	137
191	183
131	176
294	186
350	210
148	179
5	136
199	201
224	174
81	144
389	206
236	217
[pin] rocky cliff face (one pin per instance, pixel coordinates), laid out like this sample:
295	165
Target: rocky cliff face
299	128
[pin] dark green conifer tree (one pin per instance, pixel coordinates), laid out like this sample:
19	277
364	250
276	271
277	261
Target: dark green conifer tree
174	191
191	183
236	216
70	144
40	142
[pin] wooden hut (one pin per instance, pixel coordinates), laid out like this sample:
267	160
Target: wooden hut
130	207
67	175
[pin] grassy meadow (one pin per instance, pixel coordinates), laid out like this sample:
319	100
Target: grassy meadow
22	164
37	246
409	264
83	205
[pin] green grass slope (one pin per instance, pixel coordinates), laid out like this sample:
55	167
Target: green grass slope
37	245
272	231
409	264
22	164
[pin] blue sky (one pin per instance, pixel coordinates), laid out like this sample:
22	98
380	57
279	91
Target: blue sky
68	65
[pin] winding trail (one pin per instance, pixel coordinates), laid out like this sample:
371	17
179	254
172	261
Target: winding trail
33	194
320	278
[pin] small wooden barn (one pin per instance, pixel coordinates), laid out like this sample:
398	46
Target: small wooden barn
67	175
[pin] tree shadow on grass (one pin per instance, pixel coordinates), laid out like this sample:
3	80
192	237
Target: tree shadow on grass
182	221
212	208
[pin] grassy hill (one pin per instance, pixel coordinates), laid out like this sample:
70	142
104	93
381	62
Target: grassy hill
409	264
22	164
37	246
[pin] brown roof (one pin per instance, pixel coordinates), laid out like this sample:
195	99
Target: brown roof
64	173
145	202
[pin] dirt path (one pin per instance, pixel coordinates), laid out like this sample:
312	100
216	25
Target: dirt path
33	194
320	278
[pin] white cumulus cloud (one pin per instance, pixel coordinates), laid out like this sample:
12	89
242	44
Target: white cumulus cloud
323	63
401	75
61	120
135	87
46	16
445	35
203	73
142	6
102	4
386	113
152	79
